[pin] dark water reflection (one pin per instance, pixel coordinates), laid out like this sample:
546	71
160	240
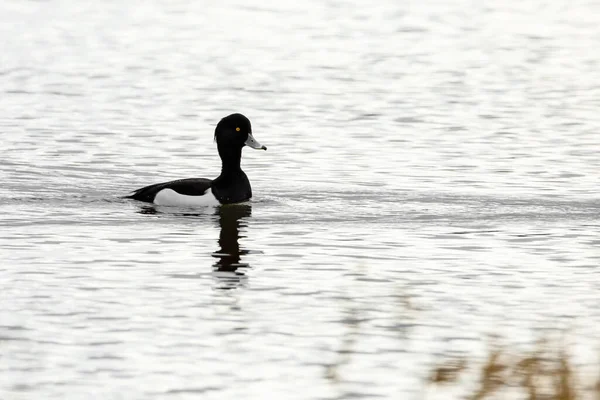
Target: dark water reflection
231	220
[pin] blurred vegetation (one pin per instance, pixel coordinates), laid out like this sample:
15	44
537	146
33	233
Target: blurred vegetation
545	373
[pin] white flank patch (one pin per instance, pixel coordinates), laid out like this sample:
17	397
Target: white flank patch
169	197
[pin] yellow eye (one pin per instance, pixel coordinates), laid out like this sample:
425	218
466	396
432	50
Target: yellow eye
237	129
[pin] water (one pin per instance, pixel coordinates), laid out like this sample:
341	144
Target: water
431	179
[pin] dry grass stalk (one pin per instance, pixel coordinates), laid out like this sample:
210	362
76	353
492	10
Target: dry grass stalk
542	375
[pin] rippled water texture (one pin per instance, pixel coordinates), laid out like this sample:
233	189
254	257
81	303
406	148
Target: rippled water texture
431	179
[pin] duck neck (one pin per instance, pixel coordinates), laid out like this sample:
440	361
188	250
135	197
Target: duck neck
230	161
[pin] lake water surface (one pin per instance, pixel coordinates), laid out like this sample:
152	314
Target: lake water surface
431	180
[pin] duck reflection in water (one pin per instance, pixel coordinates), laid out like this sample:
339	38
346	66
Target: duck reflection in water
231	218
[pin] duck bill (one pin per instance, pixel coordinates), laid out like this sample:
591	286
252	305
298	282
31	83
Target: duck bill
251	142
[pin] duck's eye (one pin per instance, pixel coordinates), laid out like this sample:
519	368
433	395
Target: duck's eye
237	129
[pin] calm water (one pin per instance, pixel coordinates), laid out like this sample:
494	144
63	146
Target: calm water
431	179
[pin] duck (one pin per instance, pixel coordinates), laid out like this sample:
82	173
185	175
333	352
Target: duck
232	133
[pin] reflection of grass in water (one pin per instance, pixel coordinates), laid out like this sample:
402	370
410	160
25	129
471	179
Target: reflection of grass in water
352	321
355	316
448	372
332	371
543	374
